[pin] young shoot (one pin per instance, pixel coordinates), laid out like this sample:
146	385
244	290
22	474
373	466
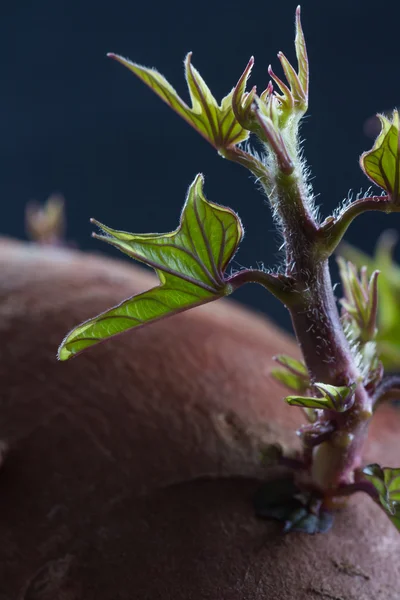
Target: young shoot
341	379
387	335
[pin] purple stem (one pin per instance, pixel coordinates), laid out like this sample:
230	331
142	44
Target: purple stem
358	486
334	230
279	285
390	385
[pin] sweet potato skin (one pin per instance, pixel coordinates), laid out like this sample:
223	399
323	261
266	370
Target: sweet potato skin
129	470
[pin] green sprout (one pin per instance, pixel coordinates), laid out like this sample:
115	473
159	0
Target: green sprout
340	381
387	335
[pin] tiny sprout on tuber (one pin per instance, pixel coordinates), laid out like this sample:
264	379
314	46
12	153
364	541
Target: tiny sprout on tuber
341	379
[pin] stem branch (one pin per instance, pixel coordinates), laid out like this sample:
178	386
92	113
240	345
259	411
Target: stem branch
358	486
279	285
320	334
333	230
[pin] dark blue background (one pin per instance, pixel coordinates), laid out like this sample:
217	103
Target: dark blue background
76	122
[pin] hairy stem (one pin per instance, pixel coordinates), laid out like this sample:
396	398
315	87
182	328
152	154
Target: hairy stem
279	285
333	230
314	312
319	331
318	328
328	358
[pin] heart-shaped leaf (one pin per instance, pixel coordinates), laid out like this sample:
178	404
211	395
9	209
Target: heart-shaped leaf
217	123
189	261
382	163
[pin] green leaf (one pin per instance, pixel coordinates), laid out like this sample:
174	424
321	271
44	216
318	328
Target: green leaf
293	375
293	99
301	54
288	379
241	100
388	319
337	398
359	317
189	261
382	163
274	116
360	302
292	364
216	123
386	482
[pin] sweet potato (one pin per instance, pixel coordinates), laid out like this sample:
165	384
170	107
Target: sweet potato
129	471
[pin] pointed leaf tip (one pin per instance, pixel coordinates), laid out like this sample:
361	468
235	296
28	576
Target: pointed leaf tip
287	107
215	122
336	398
381	164
242	100
189	261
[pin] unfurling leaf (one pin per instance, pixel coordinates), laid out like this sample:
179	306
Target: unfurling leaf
274	117
302	58
281	109
382	163
241	100
294	99
386	482
359	317
360	302
293	373
388	322
216	123
337	398
292	364
189	261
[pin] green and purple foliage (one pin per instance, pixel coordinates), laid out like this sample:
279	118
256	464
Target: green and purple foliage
341	381
388	330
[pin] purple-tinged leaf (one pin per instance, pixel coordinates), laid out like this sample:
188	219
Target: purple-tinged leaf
189	261
215	122
241	100
336	398
382	163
